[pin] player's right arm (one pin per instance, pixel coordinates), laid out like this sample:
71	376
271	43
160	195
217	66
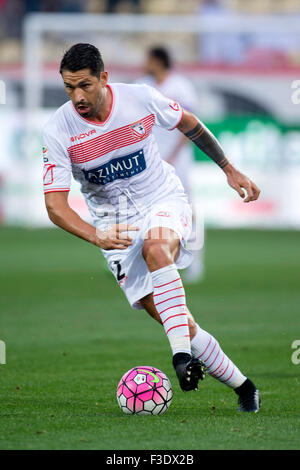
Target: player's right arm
62	215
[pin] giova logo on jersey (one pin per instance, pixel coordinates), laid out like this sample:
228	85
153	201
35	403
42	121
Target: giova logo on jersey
83	135
138	129
118	168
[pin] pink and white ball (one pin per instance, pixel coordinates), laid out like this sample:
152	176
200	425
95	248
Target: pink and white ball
144	390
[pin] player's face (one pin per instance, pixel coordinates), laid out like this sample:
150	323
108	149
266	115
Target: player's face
85	90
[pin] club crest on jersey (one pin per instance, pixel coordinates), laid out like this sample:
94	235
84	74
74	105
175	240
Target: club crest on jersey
138	129
117	168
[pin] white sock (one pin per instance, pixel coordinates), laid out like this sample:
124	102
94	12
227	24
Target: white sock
206	348
169	300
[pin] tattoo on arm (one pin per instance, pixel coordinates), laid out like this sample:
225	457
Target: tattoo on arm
207	142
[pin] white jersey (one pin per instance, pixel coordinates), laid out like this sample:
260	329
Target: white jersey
116	161
179	89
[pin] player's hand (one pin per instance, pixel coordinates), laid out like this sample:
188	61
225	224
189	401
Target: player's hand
115	238
239	182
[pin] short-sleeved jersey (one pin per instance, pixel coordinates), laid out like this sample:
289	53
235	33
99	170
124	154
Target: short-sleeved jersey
116	161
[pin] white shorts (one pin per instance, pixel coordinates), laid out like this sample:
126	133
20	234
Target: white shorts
129	266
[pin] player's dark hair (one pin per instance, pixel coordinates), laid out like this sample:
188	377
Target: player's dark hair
82	56
162	55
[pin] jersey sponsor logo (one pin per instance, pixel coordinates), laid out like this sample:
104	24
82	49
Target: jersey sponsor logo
83	135
117	168
48	173
138	129
174	106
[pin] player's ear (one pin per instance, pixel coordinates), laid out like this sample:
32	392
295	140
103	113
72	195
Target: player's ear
103	78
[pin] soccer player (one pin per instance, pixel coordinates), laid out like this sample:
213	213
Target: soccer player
103	136
174	147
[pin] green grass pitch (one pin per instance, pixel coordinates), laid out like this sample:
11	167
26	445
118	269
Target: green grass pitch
70	335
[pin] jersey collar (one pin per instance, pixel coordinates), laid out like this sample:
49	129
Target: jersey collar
102	123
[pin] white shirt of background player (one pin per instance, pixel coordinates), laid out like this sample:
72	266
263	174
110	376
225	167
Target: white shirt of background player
173	146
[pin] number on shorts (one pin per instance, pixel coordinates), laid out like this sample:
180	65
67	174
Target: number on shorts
117	266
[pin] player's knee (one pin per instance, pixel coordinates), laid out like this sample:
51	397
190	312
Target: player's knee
156	254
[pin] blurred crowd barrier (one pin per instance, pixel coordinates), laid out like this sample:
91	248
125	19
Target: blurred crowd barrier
245	68
243	48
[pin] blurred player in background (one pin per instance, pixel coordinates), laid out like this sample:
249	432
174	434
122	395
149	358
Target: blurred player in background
173	146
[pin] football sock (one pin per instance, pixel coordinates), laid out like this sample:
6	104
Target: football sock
247	387
206	348
169	300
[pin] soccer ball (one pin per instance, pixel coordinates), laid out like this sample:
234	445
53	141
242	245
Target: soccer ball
144	390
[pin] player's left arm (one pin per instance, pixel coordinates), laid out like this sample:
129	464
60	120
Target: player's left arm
198	133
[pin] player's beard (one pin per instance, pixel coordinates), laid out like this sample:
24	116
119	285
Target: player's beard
92	110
